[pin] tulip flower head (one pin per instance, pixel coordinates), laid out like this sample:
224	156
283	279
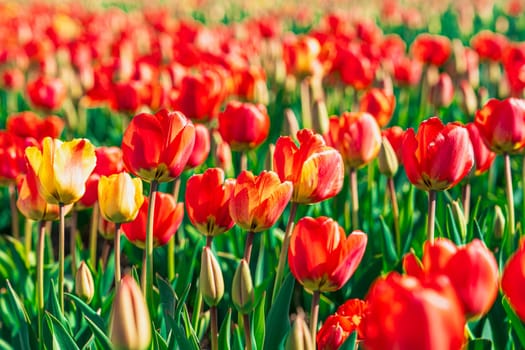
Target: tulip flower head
208	202
513	279
244	126
431	49
380	104
357	136
156	147
438	156
483	156
258	201
501	124
12	156
168	217
201	148
47	93
120	197
315	169
29	124
321	257
62	168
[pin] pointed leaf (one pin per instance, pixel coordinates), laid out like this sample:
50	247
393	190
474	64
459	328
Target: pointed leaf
225	332
62	336
277	322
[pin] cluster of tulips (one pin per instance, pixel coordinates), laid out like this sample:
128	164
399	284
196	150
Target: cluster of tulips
206	142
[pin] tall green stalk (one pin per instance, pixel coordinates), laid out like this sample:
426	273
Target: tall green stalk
147	282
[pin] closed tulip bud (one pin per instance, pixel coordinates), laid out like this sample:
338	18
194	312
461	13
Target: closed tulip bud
243	296
387	159
499	222
468	98
211	281
320	119
84	286
130	326
120	197
442	92
290	124
299	337
459	217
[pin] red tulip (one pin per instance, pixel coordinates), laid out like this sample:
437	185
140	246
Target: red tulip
156	147
489	45
407	71
315	169
357	136
208	202
405	313
471	269
29	124
501	124
109	161
321	256
380	104
258	201
12	79
127	96
431	49
513	280
356	69
244	125
12	156
47	93
201	148
168	217
483	156
438	156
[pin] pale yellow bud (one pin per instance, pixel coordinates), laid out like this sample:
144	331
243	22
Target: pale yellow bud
84	286
210	278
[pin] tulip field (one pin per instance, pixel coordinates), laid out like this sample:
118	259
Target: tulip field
224	175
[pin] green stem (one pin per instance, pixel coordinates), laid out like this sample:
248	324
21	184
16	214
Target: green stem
61	239
117	254
148	280
395	213
214	329
510	202
248	246
73	242
355	199
284	251
171	242
244	161
314	314
209	240
423	91
306	103
28	236
247	331
40	278
197	310
431	216
465	200
15	229
93	235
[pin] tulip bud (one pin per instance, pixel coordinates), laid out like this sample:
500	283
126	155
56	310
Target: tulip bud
442	92
387	159
84	286
242	290
130	326
210	278
300	337
290	125
459	217
469	100
320	119
499	222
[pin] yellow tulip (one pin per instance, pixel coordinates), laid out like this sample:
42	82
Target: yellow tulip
120	197
62	168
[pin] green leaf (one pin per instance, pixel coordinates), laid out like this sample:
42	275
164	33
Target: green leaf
159	342
87	311
515	322
452	228
168	299
277	322
479	344
100	336
24	333
53	307
225	332
390	257
258	322
60	334
349	344
5	346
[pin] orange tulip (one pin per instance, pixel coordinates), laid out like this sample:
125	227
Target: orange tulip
258	201
357	136
156	147
208	202
513	280
405	313
62	168
439	156
431	49
244	126
321	257
501	124
301	56
168	217
380	104
471	269
315	169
